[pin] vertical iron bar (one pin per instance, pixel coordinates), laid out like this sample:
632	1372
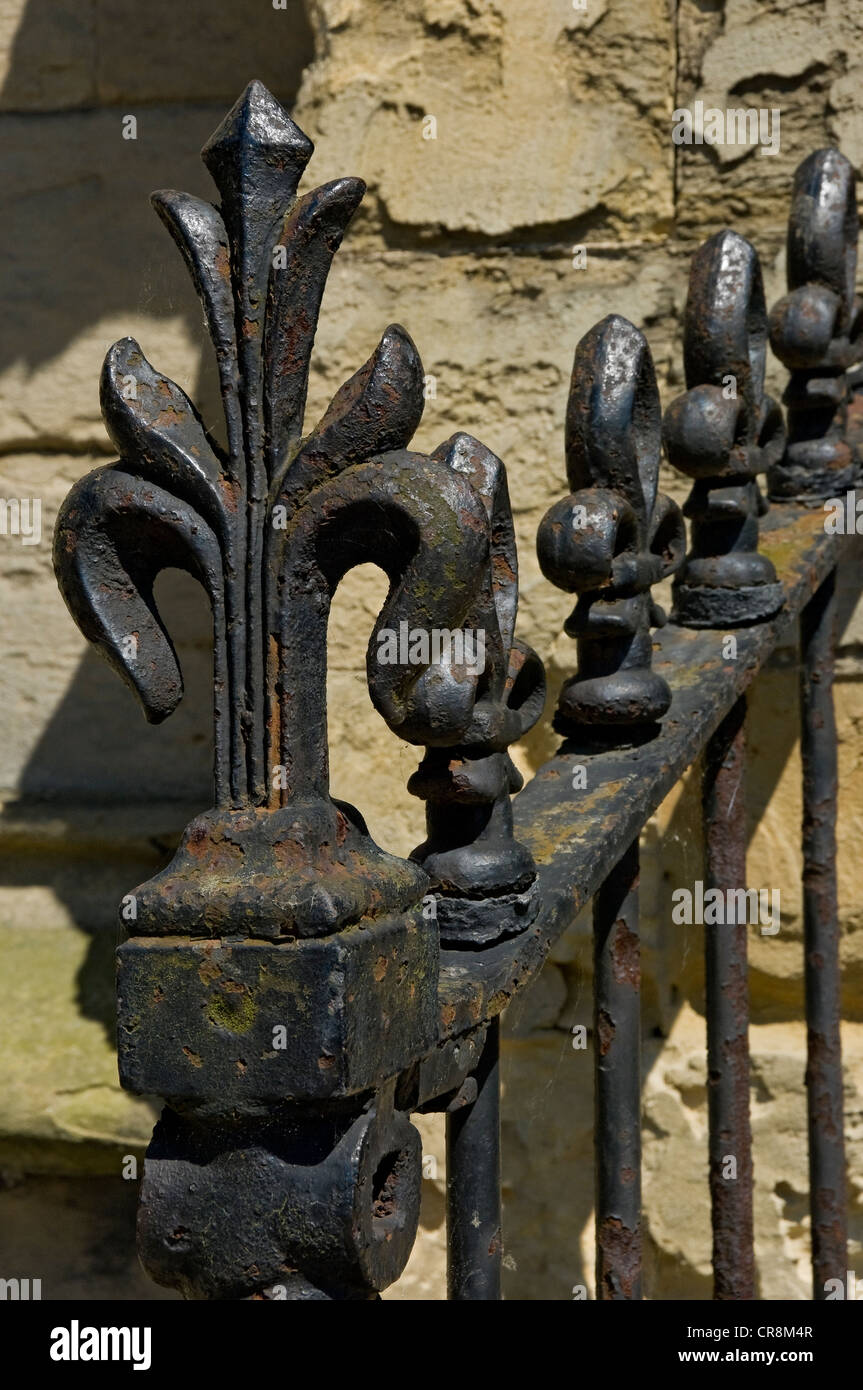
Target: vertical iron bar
473	1185
821	935
617	1079
727	999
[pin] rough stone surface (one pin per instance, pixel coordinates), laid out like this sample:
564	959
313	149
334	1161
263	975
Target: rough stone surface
801	57
520	143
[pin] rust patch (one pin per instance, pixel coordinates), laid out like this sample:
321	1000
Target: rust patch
625	955
605	1030
618	1260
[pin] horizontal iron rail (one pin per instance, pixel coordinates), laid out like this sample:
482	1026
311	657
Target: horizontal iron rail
577	836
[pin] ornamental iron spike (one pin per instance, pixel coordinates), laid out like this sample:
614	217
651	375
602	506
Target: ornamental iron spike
270	527
723	431
278	909
816	331
485	880
612	539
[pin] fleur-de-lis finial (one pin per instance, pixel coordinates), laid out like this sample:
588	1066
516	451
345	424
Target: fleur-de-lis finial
816	330
612	538
278	913
485	879
723	431
269	526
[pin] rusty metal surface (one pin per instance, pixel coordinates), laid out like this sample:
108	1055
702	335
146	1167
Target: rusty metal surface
727	1010
722	432
294	1203
283	960
617	1071
576	834
827	1184
816	330
197	1017
484	879
283	986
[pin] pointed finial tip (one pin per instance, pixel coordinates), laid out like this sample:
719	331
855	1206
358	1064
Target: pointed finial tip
614	334
258	119
727	236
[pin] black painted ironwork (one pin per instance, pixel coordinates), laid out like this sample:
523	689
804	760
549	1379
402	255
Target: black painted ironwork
293	991
610	541
816	330
727	1008
827	1184
723	432
278	911
484	879
613	538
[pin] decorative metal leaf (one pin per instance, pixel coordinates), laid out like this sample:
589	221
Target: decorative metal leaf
311	236
114	535
498	720
723	431
612	538
816	330
725	324
485	879
160	435
376	410
200	233
823	230
426	528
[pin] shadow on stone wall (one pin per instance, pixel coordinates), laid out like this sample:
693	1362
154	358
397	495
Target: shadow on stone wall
121	789
86	248
85	244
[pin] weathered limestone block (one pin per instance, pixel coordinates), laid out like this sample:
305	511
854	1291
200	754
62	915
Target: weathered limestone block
675	1166
541	120
547	1163
62	1107
790	55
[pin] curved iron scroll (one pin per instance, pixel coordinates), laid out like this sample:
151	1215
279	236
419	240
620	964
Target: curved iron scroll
282	971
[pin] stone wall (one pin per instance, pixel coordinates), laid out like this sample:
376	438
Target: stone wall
552	129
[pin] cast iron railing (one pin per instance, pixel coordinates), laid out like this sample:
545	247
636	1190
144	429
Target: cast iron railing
292	991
